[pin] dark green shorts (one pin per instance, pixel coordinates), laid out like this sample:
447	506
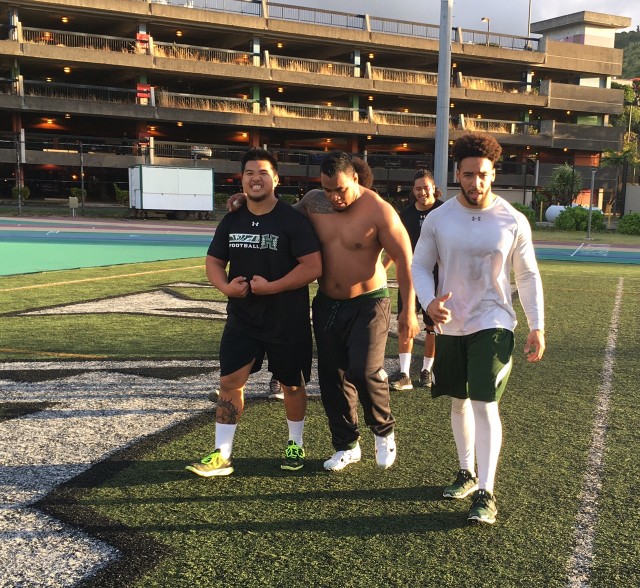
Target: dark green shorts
473	366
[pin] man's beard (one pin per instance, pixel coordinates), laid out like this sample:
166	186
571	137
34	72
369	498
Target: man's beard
259	198
466	197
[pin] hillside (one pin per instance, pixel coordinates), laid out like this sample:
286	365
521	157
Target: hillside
630	42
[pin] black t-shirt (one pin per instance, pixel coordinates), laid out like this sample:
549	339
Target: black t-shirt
267	245
412	219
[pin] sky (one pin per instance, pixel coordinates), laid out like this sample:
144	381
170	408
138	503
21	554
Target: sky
506	16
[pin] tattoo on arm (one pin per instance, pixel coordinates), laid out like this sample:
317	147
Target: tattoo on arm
316	202
227	413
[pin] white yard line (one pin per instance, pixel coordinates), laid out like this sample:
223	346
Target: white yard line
581	560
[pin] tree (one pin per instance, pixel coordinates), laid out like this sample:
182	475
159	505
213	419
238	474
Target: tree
622	160
565	184
631	114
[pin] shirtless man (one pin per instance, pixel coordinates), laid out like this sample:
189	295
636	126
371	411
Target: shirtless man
351	310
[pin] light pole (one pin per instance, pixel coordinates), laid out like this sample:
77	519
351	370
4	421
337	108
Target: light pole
488	21
81	179
527	46
443	103
593	180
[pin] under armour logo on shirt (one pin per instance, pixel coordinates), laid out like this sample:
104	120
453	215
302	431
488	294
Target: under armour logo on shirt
254	223
476	218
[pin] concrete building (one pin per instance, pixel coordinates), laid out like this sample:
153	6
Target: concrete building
89	88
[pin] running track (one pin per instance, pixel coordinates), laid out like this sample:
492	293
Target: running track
33	245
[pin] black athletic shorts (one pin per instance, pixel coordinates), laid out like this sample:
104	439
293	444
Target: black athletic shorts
428	323
290	363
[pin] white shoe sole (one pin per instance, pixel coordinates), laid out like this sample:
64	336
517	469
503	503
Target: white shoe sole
461	496
221	472
340	465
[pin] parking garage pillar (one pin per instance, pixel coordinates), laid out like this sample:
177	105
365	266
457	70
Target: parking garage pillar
356	63
255	52
255	96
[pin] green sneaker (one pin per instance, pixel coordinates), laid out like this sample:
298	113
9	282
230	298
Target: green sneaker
464	485
483	508
293	457
211	465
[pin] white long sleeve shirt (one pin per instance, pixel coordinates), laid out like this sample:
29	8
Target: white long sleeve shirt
476	250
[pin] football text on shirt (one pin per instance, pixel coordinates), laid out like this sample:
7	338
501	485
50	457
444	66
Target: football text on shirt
251	241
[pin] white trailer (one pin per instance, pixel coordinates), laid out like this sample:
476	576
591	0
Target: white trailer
179	191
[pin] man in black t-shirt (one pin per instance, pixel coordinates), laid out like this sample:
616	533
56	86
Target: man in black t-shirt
427	199
272	254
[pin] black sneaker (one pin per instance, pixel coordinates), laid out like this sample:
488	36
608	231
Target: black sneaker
483	508
275	391
425	378
464	485
400	381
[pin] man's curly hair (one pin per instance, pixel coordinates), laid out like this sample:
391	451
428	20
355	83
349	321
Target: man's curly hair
476	145
365	175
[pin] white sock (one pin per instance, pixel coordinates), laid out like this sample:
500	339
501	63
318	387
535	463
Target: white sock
427	363
405	362
224	439
463	427
488	441
296	429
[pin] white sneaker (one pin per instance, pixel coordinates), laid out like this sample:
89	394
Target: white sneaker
341	459
385	450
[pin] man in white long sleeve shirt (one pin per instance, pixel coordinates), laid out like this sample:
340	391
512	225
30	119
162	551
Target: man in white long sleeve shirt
477	239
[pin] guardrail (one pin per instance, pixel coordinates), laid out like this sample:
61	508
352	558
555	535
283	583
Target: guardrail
7	85
347	20
297	64
195	53
237	6
487	125
199	102
497	85
409	119
317	16
403	27
492	39
313	111
78	40
79	92
405	76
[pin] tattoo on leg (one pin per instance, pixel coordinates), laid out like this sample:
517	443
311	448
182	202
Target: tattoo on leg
227	413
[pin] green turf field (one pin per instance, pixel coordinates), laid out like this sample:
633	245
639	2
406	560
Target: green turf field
360	527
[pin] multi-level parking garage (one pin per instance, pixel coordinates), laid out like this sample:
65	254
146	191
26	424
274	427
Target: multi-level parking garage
101	85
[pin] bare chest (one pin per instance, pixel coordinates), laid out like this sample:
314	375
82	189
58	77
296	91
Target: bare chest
338	232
